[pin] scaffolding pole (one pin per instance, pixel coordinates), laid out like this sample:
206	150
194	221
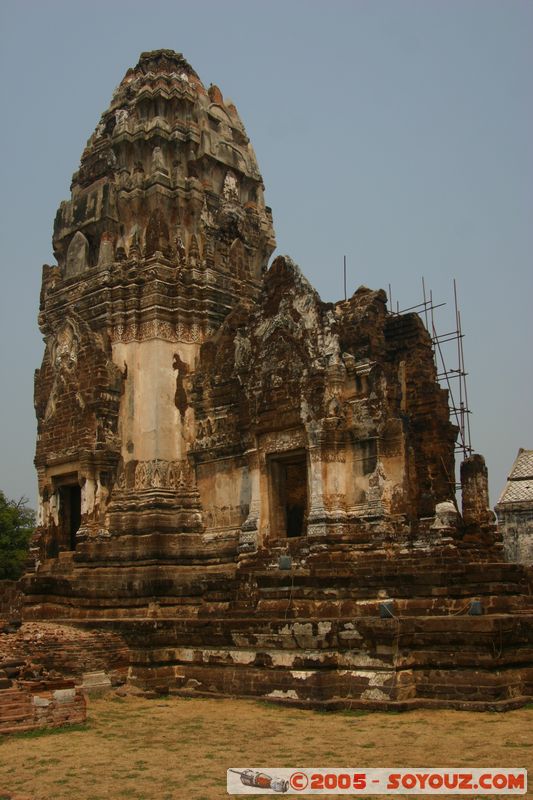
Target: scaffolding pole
458	405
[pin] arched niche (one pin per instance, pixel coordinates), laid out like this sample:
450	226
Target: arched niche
77	255
237	259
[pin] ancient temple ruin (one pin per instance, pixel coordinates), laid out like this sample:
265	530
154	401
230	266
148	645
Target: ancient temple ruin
245	489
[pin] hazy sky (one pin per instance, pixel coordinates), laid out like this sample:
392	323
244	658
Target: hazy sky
396	132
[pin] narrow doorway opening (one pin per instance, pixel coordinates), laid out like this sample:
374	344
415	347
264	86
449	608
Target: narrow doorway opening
288	496
70	505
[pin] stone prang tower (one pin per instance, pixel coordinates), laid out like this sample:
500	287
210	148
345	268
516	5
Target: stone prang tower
166	230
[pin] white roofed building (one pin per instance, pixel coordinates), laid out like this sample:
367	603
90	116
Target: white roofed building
515	510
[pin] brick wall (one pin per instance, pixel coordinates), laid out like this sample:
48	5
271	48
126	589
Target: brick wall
28	705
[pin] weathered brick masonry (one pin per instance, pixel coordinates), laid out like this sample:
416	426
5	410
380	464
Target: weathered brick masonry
30	705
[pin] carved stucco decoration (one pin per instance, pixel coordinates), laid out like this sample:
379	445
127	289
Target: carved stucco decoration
157	474
63	347
158	329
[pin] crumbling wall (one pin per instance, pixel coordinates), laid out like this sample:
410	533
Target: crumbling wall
50	650
11	599
31	705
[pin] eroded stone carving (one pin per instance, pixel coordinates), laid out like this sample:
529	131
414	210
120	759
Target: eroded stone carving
158	473
77	254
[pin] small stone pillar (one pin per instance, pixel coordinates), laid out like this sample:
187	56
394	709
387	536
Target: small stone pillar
250	528
475	491
316	522
77	255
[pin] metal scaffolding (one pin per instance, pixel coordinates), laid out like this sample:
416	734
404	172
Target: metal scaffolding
454	378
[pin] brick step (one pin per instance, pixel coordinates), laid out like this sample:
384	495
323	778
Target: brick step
30	726
8	694
379	685
346	574
484	635
13	719
323	608
333	592
9	702
395	656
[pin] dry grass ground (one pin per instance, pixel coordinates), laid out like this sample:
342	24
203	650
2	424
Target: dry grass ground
178	749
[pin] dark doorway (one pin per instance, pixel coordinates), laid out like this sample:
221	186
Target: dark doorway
288	483
70	504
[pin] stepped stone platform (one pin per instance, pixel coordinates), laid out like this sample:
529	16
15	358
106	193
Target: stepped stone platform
369	632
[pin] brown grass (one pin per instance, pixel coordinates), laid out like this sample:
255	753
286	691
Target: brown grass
178	749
